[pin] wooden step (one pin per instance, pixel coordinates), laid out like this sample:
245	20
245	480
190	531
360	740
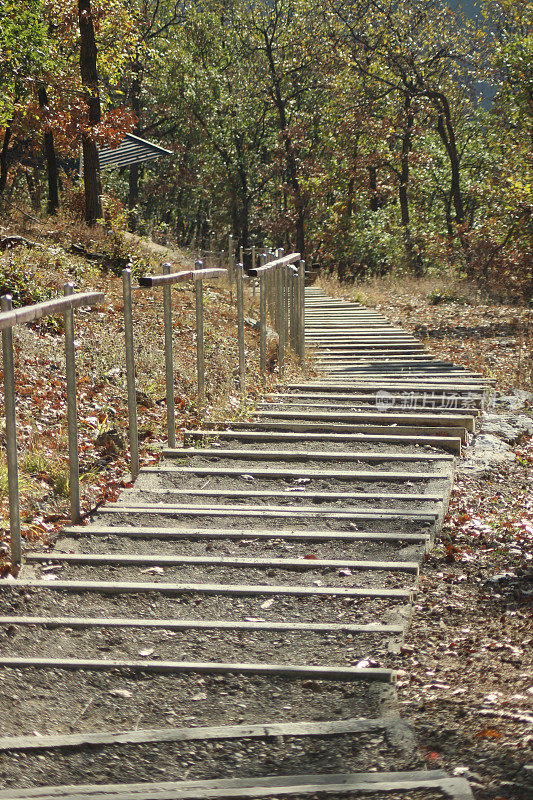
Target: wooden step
450	443
203	667
443	420
132	559
355	785
261	534
299	455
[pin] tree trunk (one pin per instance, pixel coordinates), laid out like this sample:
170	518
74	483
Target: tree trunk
89	79
446	132
133	196
134	171
349	199
373	189
3	157
290	154
413	258
244	227
34	189
50	156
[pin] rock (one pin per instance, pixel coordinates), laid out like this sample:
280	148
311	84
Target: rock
313	686
144	400
509	427
486	452
502	577
120	693
111	439
518	400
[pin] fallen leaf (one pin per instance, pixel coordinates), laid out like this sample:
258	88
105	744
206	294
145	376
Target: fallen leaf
488	733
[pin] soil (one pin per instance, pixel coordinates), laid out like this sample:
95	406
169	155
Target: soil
468	686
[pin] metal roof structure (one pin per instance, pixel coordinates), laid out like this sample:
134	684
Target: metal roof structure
132	150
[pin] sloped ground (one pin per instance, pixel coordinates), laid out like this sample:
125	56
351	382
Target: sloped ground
36	273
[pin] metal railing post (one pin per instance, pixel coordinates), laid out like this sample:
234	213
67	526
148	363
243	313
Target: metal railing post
286	309
254	262
130	373
280	317
263	279
11	437
230	266
240	326
271	292
200	362
301	312
292	307
285	300
169	360
72	411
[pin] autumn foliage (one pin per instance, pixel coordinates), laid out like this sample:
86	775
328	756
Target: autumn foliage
372	136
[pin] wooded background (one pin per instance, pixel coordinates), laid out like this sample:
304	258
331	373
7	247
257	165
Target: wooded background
368	134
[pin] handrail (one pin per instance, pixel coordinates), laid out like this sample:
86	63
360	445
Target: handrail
278	262
175	277
9	318
281	294
18	316
166	281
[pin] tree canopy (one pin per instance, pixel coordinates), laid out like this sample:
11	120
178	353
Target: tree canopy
352	130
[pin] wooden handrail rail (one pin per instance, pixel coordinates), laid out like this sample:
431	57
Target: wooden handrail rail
8	319
175	277
278	262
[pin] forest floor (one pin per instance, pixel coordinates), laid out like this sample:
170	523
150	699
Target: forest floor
468	681
35	273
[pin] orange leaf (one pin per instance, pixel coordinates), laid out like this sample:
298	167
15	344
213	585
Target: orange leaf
488	733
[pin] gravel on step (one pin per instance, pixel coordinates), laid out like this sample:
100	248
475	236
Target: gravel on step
308	521
273	647
60	701
245	481
203	760
417	464
190	606
202	573
288	499
245	546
